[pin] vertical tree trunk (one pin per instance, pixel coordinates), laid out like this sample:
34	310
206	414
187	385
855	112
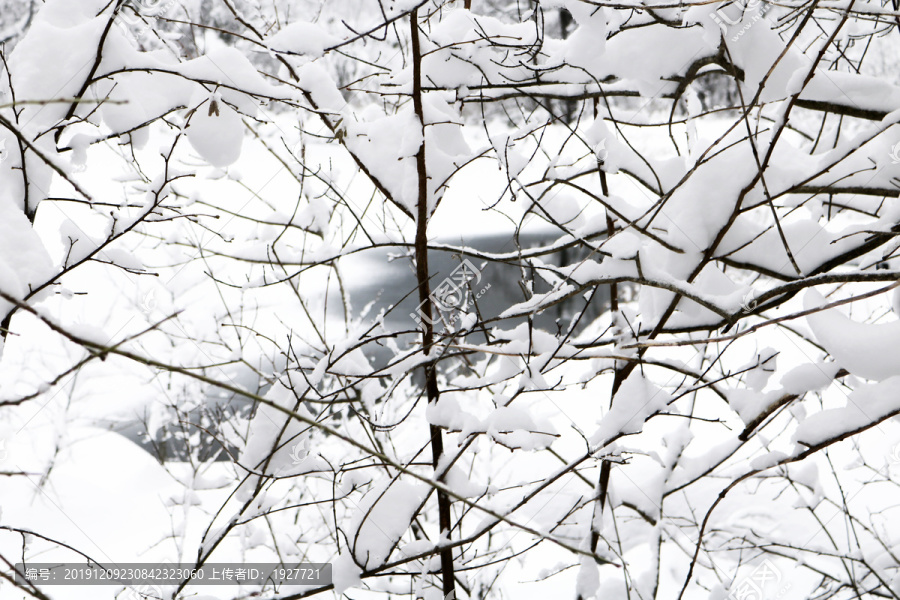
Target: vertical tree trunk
422	275
569	107
618	375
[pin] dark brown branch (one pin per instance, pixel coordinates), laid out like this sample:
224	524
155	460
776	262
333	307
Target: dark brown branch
437	442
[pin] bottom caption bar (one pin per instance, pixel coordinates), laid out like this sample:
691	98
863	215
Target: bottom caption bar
171	574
